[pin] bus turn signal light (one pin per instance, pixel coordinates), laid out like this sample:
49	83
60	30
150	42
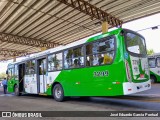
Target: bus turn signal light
115	82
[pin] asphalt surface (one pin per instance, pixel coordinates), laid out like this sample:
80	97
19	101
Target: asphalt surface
143	101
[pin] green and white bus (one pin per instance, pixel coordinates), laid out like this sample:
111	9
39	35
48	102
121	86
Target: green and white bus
110	64
154	64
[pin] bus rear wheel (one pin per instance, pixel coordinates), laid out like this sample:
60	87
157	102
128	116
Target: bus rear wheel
16	90
153	79
58	93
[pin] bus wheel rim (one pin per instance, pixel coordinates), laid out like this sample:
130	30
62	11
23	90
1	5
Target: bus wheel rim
58	92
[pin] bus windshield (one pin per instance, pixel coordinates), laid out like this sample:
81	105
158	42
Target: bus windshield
135	43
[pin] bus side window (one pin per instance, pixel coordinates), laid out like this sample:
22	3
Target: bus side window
74	58
10	73
51	66
55	62
152	62
158	61
101	52
58	61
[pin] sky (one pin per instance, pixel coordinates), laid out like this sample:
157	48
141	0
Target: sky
142	26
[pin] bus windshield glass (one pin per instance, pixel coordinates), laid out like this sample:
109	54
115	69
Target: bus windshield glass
135	44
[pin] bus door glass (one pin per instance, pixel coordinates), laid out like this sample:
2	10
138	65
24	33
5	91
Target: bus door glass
42	75
30	81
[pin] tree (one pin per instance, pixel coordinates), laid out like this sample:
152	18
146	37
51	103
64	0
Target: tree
2	75
150	52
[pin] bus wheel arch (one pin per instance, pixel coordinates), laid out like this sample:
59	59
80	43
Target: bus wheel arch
58	92
53	86
153	78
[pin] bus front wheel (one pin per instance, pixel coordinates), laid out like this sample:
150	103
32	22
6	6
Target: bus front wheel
153	79
58	93
16	90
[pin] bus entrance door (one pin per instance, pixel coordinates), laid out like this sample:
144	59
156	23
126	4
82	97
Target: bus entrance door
21	69
41	76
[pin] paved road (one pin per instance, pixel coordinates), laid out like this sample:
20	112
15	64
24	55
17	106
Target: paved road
144	101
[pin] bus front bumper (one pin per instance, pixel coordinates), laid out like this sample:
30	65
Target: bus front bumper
130	88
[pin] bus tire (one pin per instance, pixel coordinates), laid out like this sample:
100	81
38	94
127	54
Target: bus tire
153	79
58	93
16	91
84	98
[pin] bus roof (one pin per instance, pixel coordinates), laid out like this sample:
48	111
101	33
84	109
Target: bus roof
154	55
116	31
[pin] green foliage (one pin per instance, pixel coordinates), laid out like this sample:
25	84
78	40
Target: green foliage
55	60
2	76
150	52
69	54
75	52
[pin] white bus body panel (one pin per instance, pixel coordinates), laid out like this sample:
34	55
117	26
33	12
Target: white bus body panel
52	76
